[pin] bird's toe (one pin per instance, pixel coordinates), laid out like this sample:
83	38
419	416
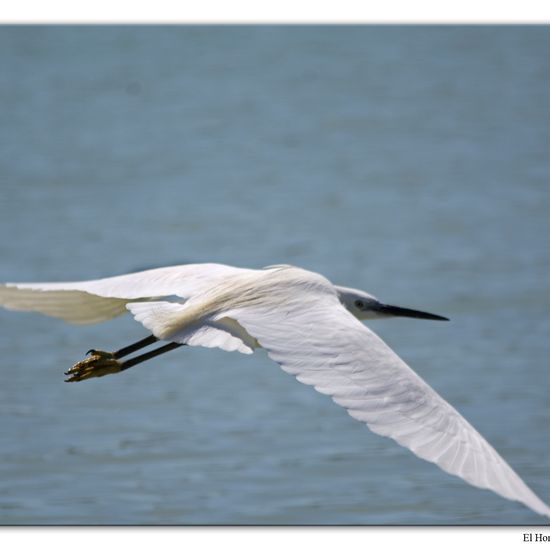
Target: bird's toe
95	365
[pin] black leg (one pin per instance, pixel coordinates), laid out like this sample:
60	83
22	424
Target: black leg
149	355
122	352
101	363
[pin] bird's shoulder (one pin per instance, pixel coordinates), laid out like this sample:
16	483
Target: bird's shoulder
298	279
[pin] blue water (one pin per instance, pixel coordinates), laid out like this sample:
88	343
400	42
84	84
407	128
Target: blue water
409	161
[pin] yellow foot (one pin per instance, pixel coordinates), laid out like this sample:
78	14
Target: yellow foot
98	363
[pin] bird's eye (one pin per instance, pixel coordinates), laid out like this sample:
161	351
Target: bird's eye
359	304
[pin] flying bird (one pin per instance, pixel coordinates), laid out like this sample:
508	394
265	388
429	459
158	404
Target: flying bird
309	326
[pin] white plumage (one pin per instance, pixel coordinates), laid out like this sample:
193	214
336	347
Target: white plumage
312	329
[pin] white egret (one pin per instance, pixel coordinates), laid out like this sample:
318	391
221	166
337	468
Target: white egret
308	325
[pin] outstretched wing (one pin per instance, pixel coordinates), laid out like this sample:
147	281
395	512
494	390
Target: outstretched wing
326	347
94	301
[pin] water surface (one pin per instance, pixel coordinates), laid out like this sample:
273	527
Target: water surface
408	161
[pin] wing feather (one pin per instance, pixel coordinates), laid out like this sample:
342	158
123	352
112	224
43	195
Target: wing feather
324	346
94	301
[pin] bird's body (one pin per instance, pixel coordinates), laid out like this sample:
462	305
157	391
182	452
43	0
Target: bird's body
306	324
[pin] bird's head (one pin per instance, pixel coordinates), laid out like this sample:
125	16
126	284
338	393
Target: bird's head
365	306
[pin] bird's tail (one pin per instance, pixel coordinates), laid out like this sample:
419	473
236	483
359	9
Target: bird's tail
179	323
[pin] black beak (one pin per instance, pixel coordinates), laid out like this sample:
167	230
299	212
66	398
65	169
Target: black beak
396	311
